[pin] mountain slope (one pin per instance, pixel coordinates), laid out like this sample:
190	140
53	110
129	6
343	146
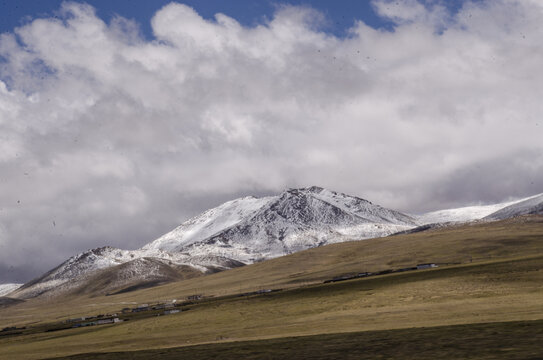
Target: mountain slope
274	226
133	275
461	243
209	223
470	213
532	205
140	267
5	289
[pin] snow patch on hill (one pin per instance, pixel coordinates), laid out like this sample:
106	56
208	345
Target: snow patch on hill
73	271
5	289
209	223
532	205
468	213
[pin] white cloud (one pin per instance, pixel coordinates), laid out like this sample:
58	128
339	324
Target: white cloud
433	13
117	138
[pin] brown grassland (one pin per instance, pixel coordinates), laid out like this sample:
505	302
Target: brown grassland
490	273
473	341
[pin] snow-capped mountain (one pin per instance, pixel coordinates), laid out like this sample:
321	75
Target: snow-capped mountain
5	289
244	231
478	212
235	233
251	229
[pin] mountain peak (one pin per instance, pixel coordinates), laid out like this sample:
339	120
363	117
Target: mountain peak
250	229
312	189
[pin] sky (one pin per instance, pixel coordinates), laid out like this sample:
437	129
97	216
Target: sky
120	120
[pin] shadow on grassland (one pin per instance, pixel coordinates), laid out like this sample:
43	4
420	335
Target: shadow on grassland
506	340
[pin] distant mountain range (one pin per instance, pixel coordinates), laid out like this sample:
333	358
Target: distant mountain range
244	231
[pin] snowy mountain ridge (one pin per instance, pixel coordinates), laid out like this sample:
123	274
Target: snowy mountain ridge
477	212
531	205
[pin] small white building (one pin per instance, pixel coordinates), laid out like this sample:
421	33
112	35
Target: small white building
426	266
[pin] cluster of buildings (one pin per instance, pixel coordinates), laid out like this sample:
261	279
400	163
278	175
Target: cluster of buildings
169	308
95	320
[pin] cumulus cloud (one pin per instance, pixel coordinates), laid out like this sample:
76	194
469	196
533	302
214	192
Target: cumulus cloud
108	138
412	11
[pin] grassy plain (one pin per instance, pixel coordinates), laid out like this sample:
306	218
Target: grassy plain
506	340
495	275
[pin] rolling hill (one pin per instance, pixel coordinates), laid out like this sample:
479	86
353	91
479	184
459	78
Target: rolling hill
487	272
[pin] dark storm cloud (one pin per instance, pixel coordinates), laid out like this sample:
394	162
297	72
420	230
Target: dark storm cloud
110	139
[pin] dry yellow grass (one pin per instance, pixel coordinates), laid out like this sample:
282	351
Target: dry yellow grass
476	293
491	288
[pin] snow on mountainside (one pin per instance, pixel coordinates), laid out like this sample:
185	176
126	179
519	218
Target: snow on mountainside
235	233
253	229
468	213
76	269
132	275
532	205
209	223
362	208
244	231
5	289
